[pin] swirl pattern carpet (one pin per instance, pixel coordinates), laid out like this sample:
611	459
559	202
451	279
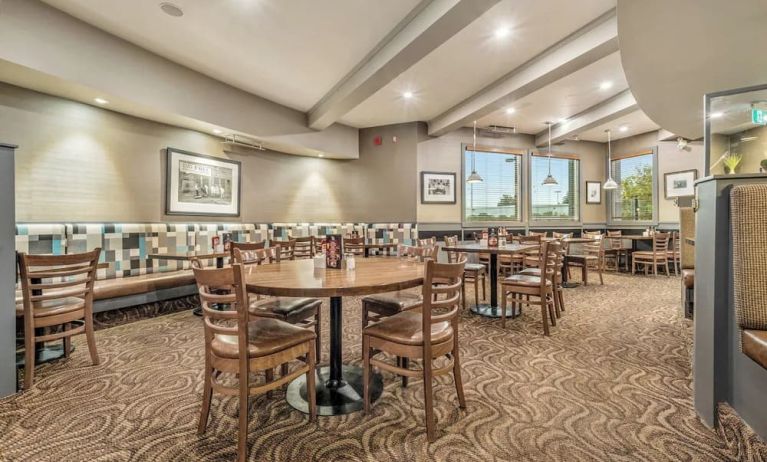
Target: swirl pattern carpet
613	382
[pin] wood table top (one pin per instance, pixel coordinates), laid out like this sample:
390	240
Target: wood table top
299	278
183	256
572	240
478	248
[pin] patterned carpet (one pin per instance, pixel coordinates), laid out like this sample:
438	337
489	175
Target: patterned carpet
611	383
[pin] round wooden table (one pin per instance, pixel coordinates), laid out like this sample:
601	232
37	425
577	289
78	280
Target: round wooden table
491	310
339	388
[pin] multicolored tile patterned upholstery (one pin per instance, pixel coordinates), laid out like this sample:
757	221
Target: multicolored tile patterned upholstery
397	233
286	230
240	232
41	239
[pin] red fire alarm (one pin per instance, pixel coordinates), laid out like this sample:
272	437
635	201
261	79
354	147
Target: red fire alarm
378	141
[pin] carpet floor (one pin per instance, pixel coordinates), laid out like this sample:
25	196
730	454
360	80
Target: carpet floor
613	382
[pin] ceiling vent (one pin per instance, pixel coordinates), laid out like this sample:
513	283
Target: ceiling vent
241	141
498	131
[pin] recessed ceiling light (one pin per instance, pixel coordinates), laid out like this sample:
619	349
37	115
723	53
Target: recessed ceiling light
606	85
320	155
501	32
217	131
624	128
171	10
510	110
563	120
716	115
101	100
407	95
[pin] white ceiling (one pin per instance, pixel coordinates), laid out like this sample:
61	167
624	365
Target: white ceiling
288	51
475	57
635	123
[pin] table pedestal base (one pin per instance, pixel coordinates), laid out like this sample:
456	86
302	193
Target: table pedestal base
570	285
489	311
44	354
331	398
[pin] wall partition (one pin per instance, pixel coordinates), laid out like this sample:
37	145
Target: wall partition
7	272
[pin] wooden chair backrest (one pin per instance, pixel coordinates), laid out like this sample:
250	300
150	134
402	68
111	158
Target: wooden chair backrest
354	245
421	253
557	235
530	239
550	254
660	242
255	257
55	277
304	247
614	240
441	293
452	255
432	241
533	233
245	247
285	248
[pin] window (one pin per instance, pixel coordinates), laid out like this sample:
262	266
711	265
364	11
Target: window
559	201
496	198
633	200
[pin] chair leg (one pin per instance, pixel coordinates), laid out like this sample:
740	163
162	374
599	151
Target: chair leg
428	395
601	280
544	317
405	365
91	339
311	385
242	433
476	291
561	298
463	293
503	308
484	289
269	373
364	315
318	333
552	310
284	370
29	354
555	298
457	369
366	373
67	341
585	274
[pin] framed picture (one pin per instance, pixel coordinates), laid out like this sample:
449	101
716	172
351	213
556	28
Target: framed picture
201	185
593	192
437	188
679	184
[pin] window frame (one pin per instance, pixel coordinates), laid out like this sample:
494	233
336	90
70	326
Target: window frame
611	221
521	180
552	222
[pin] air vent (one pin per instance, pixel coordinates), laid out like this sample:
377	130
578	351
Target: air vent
171	9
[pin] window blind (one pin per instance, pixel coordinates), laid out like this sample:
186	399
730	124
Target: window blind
633	200
554	202
497	197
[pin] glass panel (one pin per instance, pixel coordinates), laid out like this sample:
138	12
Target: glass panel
738	136
554	201
496	198
633	200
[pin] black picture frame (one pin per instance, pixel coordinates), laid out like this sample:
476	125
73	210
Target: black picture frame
666	194
427	196
599	188
203	209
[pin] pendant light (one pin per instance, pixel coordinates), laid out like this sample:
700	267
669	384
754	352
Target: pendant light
474	177
549	180
610	183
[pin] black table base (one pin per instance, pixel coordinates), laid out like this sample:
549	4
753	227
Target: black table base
487	310
334	397
491	310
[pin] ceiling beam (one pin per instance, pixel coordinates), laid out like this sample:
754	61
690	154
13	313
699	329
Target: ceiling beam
430	24
587	45
618	106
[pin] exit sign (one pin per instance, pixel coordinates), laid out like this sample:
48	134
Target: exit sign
759	116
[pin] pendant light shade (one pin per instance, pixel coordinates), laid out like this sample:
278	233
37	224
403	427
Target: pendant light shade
610	183
474	176
549	180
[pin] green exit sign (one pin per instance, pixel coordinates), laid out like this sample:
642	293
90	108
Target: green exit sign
759	116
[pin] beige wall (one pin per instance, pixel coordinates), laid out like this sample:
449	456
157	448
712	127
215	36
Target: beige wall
77	162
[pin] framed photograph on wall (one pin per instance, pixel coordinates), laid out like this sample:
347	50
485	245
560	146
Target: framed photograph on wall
437	188
201	185
679	184
593	192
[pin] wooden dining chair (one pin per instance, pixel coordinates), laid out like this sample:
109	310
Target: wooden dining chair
521	287
304	247
658	256
57	290
426	335
245	247
530	258
556	277
615	250
674	252
560	236
428	242
237	344
354	245
590	258
474	273
300	311
287	248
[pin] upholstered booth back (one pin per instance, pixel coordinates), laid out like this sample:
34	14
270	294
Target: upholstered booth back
686	230
749	254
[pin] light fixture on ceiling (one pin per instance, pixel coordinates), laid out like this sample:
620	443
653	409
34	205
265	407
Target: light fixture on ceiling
624	128
101	101
474	177
610	183
217	131
716	115
549	180
563	120
606	85
407	95
320	155
171	10
501	32
510	110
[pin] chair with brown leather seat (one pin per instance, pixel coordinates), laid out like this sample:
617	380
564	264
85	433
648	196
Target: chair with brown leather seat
521	287
655	258
286	247
590	258
301	311
57	290
354	246
555	276
237	344
304	247
428	335
474	273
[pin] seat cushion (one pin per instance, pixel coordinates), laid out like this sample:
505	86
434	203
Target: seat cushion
132	285
391	303
754	343
524	280
474	267
290	309
265	337
688	278
53	307
405	328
